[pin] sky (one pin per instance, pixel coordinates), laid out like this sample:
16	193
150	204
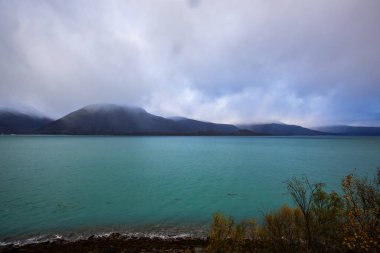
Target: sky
311	63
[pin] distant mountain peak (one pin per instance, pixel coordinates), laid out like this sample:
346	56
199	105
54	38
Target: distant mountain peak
112	119
30	113
111	107
272	122
178	118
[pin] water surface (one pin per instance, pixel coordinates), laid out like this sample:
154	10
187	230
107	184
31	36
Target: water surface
53	184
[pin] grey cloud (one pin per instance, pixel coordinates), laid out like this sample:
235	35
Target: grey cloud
294	61
194	3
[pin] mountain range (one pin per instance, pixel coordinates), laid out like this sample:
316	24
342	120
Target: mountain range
15	122
351	130
281	129
110	119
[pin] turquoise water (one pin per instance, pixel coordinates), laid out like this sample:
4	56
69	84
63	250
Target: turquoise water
53	184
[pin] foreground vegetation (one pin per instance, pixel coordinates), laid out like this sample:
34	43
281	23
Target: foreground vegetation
320	221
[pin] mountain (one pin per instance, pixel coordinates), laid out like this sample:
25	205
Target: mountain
15	122
109	119
192	126
281	129
351	130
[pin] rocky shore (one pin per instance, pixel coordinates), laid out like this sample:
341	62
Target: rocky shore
112	244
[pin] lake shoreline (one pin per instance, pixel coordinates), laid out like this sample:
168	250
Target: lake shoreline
115	242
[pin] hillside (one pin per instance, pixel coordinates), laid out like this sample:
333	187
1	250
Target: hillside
281	129
15	122
109	119
351	130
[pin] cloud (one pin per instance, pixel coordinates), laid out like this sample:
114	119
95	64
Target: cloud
301	62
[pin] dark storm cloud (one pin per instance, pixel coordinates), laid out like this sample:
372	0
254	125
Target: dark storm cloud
303	62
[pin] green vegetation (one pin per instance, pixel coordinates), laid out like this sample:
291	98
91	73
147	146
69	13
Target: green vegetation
320	221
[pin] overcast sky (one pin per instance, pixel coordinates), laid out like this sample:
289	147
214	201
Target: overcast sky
296	61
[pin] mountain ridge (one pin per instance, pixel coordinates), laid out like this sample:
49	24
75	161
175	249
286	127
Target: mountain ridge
110	119
282	129
16	122
351	130
113	119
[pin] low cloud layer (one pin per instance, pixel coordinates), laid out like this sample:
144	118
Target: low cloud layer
301	62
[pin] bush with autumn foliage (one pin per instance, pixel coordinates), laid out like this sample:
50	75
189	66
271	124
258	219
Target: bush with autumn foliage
320	221
361	228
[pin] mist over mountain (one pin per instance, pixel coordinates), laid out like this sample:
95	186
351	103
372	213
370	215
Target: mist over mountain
281	129
110	119
15	122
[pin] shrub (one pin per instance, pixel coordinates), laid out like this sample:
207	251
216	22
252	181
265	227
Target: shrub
361	228
225	236
320	221
283	230
220	234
